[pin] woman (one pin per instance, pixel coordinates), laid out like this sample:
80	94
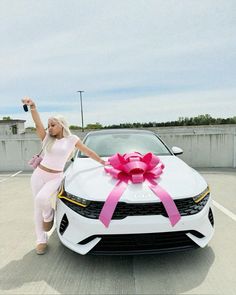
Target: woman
58	145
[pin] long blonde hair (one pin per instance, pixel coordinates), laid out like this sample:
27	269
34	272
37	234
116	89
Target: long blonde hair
49	140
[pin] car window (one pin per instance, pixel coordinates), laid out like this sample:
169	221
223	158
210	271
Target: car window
106	145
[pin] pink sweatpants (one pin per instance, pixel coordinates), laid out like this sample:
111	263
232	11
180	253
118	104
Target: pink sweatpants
44	186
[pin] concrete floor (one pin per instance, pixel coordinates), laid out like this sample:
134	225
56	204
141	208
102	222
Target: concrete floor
204	271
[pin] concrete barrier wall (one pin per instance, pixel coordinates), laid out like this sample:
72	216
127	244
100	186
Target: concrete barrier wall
16	150
205	150
204	146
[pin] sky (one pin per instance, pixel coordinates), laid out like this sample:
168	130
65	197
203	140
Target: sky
135	60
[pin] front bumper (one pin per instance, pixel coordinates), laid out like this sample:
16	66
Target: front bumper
82	234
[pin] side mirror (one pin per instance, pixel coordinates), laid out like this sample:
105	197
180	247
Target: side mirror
176	150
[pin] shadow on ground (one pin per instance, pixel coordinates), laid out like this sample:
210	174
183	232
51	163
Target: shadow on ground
70	273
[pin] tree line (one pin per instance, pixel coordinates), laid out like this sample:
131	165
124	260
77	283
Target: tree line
182	121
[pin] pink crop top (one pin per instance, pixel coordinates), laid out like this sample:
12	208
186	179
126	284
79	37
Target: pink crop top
58	155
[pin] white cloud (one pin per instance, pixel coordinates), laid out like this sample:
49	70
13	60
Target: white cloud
161	108
155	108
171	54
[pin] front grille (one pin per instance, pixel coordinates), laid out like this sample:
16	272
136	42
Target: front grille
185	206
143	243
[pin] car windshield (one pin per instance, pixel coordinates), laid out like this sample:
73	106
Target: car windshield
106	145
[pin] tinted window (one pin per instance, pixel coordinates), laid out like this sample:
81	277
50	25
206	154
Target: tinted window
106	145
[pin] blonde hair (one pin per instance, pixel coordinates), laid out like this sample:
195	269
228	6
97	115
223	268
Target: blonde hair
49	140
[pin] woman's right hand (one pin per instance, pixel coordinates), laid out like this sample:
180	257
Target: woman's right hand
28	101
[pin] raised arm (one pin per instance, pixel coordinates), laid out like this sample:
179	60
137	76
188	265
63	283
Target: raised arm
35	116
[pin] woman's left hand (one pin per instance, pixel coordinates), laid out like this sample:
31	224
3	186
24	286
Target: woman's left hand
104	162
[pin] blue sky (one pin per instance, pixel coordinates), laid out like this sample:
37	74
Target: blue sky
136	60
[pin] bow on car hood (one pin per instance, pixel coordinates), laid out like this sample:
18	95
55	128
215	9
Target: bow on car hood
87	179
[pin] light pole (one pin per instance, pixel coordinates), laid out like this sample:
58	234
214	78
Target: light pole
81	109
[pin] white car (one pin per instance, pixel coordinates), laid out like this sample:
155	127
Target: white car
140	223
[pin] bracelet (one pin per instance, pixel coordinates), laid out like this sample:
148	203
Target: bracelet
32	109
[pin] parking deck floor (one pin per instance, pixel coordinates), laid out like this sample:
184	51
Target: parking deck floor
60	271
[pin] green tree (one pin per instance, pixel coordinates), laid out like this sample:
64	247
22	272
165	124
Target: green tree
7	118
74	127
97	125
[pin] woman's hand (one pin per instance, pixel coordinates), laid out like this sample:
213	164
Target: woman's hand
35	116
28	101
104	163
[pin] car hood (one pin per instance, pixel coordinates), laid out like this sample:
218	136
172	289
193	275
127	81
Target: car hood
87	179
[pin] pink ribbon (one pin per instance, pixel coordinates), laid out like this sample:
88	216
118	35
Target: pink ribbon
136	168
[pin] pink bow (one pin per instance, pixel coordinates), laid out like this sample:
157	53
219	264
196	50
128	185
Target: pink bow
136	168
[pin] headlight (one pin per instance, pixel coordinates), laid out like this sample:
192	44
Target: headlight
72	198
202	195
